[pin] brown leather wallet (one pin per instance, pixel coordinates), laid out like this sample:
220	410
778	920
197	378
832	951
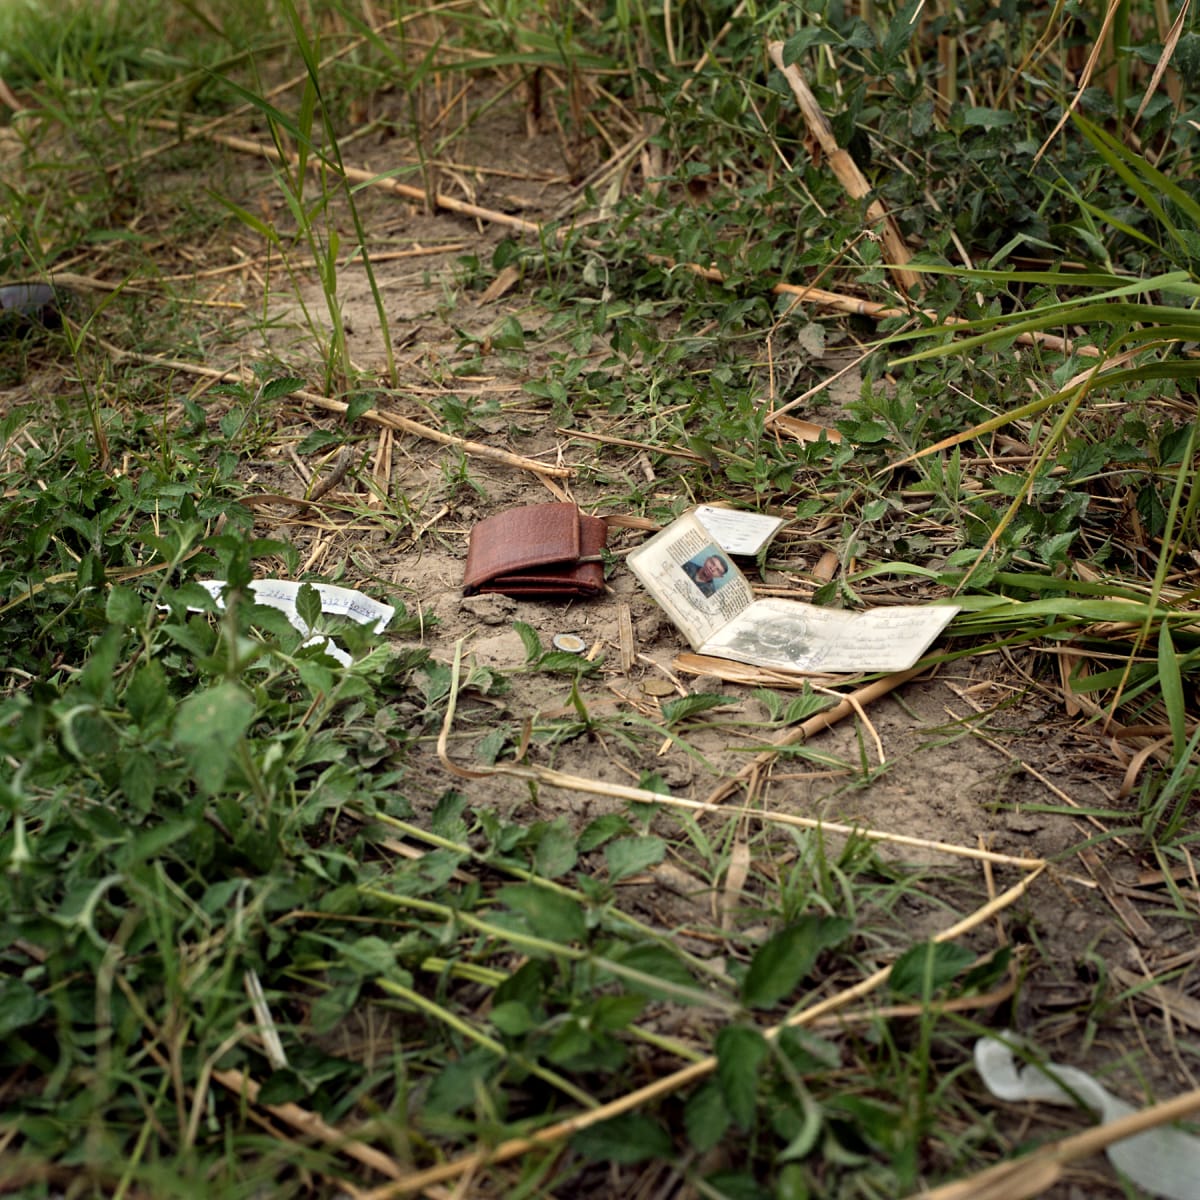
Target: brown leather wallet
542	550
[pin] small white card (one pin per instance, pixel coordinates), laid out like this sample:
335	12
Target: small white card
737	532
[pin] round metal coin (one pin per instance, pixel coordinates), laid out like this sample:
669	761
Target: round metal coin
658	687
569	643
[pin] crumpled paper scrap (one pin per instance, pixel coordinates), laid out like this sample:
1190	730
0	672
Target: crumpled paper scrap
1162	1161
335	601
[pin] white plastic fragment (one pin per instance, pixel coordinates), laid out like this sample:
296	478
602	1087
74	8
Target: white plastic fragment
1162	1161
335	601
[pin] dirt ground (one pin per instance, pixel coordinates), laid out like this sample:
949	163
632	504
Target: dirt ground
977	751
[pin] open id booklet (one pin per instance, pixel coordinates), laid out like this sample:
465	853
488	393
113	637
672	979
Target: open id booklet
696	581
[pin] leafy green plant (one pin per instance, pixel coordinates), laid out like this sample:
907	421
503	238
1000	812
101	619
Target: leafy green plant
538	658
1142	347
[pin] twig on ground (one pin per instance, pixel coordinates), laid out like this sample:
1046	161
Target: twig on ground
608	440
1137	925
835	300
309	1123
617	791
374	179
375	416
743	673
625	636
856	307
341	465
381	470
476	449
577	783
748	775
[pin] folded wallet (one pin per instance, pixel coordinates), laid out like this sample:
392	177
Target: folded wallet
543	550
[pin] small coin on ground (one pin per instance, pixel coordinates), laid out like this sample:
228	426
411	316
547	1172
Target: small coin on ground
658	687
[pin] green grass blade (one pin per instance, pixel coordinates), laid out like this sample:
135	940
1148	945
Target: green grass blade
1050	278
1170	681
1132	171
1092	310
1152	182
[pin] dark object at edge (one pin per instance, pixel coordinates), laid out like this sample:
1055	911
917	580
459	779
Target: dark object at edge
23	305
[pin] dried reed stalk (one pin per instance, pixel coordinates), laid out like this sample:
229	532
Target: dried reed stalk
846	169
1085	76
313	1126
373	415
475	449
823	720
743	673
617	791
837	301
856	307
374	179
649	447
548	777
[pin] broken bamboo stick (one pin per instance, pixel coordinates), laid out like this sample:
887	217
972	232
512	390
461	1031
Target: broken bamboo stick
823	720
837	301
846	169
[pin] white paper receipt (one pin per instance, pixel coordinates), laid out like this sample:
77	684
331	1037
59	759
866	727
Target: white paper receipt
738	532
336	601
